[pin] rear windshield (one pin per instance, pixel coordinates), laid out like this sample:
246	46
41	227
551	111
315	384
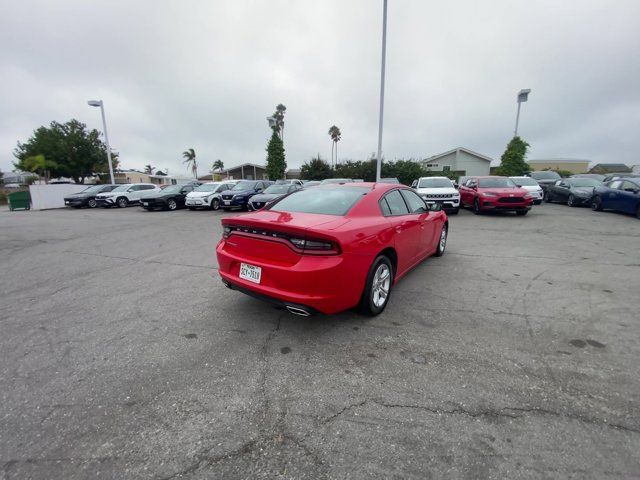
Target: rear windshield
277	189
435	183
529	182
325	201
545	175
496	183
330	181
94	189
584	182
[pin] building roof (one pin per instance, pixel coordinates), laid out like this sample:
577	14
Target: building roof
244	165
462	149
559	160
611	167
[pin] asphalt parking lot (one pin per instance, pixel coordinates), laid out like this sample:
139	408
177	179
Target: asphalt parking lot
515	355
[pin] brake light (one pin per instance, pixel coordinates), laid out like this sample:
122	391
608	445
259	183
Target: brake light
303	245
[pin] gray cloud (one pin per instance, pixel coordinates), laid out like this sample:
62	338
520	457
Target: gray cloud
205	75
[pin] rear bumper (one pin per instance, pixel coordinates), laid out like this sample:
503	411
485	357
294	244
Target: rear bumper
75	202
272	300
326	284
153	204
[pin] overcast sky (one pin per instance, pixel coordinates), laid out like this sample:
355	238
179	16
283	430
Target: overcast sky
205	74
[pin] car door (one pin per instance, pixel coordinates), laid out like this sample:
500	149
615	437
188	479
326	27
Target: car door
628	197
180	199
559	191
611	198
467	191
418	207
406	227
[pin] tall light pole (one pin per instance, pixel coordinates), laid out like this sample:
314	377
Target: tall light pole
99	103
523	96
381	114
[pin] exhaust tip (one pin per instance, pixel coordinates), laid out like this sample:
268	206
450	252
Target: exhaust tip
298	311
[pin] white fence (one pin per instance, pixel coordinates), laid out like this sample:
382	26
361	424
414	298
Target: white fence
52	196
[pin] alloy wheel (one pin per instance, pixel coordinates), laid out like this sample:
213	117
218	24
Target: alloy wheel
571	201
442	243
171	203
122	202
596	204
476	207
380	286
215	204
92	203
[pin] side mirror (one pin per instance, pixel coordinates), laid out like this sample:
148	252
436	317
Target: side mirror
258	190
434	207
130	190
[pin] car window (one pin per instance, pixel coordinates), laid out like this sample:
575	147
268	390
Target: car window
384	206
326	201
615	184
396	203
629	186
471	183
414	202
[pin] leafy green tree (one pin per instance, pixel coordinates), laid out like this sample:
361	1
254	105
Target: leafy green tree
336	135
218	165
148	169
69	150
38	164
1	177
279	116
276	163
189	156
512	162
316	169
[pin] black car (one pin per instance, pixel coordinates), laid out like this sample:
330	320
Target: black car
171	197
239	195
271	193
87	197
572	191
545	178
617	176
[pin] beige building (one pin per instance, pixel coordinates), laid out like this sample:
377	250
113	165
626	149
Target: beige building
462	160
572	165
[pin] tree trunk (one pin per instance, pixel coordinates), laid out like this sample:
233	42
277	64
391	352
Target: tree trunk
336	153
332	145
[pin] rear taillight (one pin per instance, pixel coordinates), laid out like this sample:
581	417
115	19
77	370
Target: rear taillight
303	245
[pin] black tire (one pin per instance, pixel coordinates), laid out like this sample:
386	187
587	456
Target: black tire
122	202
638	212
215	204
571	201
547	197
596	203
172	204
522	213
367	304
91	203
442	243
476	207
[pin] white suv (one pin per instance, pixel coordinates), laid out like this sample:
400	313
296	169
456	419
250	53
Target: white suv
207	195
127	194
532	186
438	190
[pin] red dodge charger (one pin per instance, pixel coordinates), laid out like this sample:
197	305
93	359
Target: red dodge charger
331	248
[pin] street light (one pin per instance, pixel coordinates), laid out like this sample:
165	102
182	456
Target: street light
99	103
523	96
381	113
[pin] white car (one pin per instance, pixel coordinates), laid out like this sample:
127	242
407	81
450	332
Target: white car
207	195
531	186
438	190
126	194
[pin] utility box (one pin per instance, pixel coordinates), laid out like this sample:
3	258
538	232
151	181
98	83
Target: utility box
19	200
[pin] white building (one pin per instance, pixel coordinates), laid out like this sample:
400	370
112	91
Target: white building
459	160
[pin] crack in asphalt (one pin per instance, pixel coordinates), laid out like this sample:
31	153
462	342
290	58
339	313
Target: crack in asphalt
508	412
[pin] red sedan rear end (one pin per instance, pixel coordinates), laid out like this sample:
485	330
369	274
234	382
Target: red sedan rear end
328	249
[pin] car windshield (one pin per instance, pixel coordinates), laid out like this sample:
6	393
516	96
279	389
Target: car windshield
244	185
277	189
522	181
330	181
495	183
584	182
325	201
121	188
207	187
172	189
435	183
545	175
93	189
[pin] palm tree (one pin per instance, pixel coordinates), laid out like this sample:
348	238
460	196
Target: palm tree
148	169
279	116
190	159
218	165
335	134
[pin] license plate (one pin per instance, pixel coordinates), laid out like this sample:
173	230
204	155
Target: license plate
250	272
66	203
227	202
145	204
